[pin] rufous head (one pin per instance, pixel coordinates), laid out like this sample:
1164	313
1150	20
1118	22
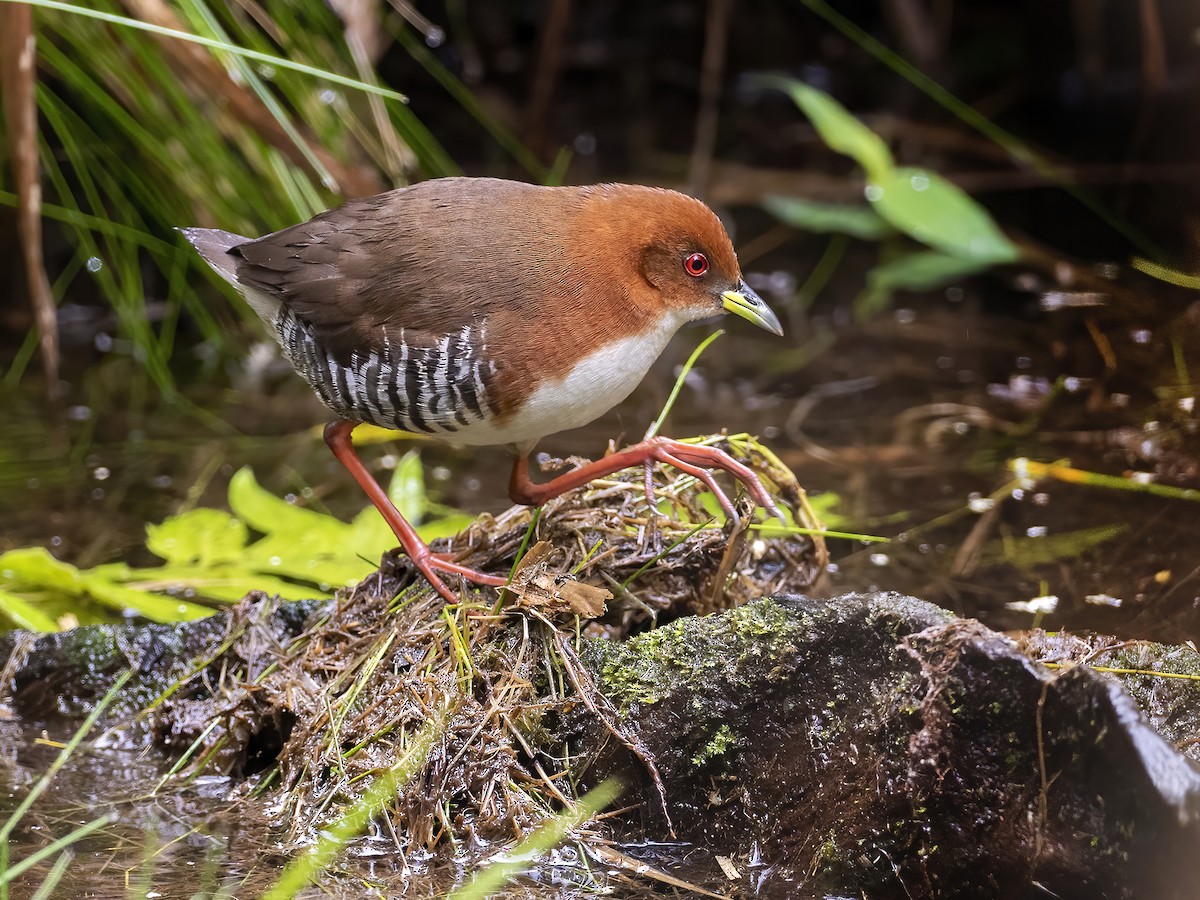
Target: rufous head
680	251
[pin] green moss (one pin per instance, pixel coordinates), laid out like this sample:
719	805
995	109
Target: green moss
721	743
696	651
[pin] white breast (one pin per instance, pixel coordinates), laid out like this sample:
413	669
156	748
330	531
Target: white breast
599	382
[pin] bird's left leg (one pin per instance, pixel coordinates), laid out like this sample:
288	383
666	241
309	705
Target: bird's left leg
694	459
429	564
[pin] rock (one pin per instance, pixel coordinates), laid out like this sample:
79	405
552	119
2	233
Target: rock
64	674
876	745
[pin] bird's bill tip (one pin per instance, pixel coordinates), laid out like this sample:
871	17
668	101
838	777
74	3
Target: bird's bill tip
746	303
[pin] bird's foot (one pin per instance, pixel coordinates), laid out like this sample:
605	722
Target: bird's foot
695	459
434	565
428	563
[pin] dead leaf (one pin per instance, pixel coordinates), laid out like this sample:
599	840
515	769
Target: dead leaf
534	585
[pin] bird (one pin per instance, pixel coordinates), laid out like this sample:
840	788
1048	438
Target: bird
482	311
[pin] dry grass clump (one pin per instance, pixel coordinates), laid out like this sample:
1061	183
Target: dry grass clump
498	671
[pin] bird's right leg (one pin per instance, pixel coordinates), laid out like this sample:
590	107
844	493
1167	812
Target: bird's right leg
337	436
694	459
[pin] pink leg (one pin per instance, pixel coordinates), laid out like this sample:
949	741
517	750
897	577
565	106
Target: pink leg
691	458
337	436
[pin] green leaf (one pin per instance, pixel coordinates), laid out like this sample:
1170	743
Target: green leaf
824	507
225	583
1027	552
823	218
335	566
926	270
840	130
930	209
202	536
446	526
34	567
407	487
263	511
371	535
155	607
24	614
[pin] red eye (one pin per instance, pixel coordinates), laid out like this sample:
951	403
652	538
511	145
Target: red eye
696	265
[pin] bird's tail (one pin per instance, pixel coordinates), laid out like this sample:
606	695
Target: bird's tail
214	246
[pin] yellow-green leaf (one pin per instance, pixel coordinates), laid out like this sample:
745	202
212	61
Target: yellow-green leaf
923	271
202	536
838	128
407	487
155	607
930	209
24	614
34	567
263	511
857	221
446	526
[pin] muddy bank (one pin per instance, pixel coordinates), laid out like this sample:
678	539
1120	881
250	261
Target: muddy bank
863	743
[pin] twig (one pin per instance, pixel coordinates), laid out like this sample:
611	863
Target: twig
17	84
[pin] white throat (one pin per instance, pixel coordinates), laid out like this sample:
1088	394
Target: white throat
597	383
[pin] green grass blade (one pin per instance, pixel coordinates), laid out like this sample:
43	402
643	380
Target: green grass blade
683	374
214	44
550	834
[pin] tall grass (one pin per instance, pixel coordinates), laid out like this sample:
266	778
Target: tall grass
143	132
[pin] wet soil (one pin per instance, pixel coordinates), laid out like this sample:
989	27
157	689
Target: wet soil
789	747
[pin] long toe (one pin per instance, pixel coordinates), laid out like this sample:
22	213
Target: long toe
426	568
715	458
439	562
705	477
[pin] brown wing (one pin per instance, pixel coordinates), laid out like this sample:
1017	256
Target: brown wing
431	259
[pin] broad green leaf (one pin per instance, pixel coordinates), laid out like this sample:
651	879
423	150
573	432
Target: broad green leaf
771	527
337	568
839	129
116	571
233	587
371	534
824	507
153	606
263	511
274	550
407	487
202	536
303	554
935	212
226	583
712	506
24	614
34	567
446	526
823	218
926	270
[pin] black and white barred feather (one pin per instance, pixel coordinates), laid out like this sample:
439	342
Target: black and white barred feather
437	387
